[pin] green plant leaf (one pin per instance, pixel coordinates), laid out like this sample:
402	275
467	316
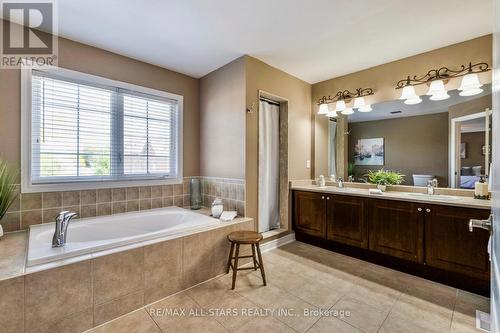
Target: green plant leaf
383	177
7	187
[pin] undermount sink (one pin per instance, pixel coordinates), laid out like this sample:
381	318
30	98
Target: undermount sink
433	197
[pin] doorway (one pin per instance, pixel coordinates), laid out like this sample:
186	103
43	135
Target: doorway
273	164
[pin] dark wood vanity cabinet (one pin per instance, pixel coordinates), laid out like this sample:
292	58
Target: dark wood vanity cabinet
396	229
310	213
429	240
451	246
346	221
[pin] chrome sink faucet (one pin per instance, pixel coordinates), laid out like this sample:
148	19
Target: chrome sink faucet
340	182
431	186
62	222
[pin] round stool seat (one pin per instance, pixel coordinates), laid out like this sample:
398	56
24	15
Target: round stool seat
244	237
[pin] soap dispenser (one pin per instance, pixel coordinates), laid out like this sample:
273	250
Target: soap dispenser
481	190
217	208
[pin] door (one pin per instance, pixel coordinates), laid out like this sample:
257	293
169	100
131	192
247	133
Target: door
396	229
310	213
451	246
346	221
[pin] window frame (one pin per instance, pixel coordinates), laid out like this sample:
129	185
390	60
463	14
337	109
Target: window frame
27	185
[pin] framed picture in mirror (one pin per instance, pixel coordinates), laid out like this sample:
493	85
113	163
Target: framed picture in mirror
369	152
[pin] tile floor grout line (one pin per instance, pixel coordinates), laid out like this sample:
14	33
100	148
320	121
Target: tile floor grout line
453	312
392	307
154	321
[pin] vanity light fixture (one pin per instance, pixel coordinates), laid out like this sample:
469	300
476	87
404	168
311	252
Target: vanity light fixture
360	105
323	108
331	114
470	85
437	91
437	78
343	97
410	96
340	105
365	108
347	111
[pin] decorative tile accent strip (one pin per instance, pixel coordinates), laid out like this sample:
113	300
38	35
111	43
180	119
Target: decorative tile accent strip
35	208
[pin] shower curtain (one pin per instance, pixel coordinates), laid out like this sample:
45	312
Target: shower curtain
269	214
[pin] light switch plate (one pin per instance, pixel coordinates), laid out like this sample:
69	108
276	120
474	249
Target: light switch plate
308	164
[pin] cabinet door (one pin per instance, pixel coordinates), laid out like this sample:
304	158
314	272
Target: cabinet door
450	245
310	213
346	221
396	229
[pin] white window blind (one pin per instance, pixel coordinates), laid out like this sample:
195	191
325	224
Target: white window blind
83	132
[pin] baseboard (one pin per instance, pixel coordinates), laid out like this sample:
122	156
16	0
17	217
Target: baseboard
275	243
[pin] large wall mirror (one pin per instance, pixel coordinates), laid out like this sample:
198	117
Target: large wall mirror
449	140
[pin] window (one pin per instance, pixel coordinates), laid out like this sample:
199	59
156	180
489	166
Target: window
82	131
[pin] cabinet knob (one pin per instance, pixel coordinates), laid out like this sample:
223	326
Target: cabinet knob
428	210
322	197
419	209
327	198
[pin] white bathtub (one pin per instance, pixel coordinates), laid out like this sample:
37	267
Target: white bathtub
91	235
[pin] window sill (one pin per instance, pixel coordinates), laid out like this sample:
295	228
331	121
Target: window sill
94	185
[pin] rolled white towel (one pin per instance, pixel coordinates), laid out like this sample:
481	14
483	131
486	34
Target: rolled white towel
375	191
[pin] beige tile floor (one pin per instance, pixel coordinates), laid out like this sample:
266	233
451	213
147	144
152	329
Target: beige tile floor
310	290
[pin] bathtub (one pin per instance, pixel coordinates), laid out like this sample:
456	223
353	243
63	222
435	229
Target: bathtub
90	235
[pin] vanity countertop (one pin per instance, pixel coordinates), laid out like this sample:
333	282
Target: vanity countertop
438	199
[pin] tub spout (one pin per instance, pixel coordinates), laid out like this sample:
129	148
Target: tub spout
62	222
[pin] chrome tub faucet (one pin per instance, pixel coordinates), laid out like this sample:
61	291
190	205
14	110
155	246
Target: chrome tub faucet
62	222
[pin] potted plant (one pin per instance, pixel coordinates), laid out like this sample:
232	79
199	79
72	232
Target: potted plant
7	189
383	178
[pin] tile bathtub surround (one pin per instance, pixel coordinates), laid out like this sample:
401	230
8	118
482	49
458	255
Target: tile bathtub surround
82	295
36	208
231	191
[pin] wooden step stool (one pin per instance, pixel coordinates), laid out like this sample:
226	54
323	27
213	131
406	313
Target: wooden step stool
251	238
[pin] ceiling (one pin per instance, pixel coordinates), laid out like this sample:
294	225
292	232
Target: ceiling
313	40
383	110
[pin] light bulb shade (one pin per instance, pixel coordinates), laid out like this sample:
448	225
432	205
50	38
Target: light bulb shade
359	102
408	93
347	111
413	101
436	88
365	108
323	108
340	106
439	96
470	82
471	92
331	114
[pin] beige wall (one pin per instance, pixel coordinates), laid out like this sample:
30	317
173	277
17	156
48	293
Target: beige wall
407	149
260	76
88	59
382	79
222	121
